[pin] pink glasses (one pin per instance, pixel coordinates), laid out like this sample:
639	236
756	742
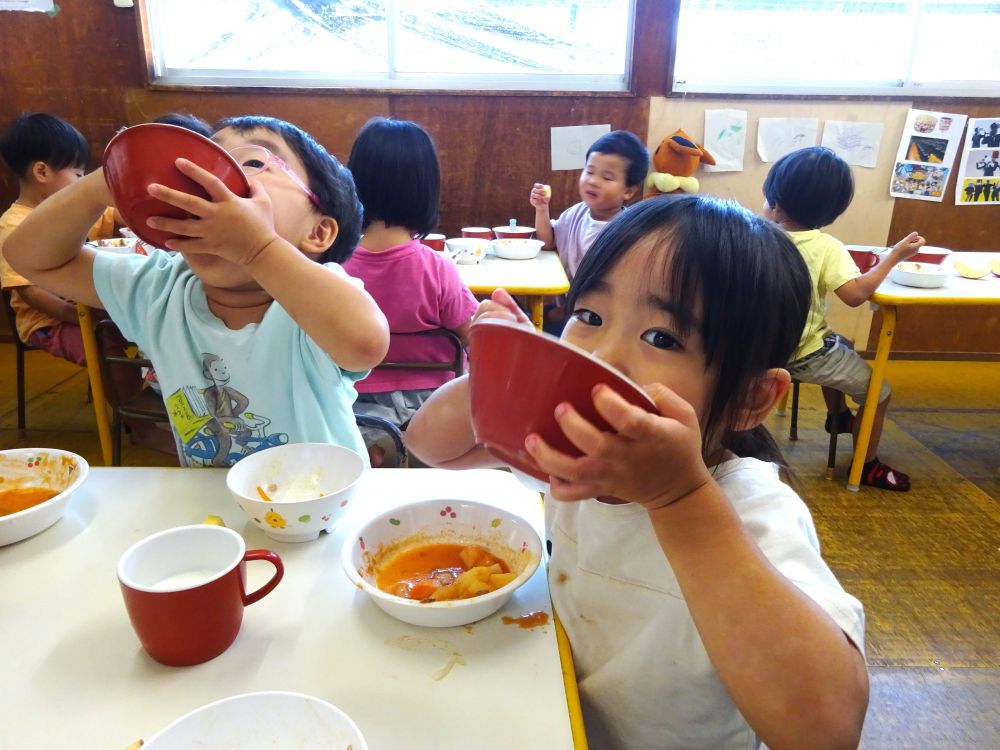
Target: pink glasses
255	159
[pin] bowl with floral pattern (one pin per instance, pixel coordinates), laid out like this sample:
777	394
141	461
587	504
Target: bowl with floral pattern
36	485
293	492
376	547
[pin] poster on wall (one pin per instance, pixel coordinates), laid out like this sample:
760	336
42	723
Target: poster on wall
777	136
927	151
979	168
35	5
725	139
856	142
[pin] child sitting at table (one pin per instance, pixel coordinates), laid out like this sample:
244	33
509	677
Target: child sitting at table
686	574
256	333
617	164
396	172
804	191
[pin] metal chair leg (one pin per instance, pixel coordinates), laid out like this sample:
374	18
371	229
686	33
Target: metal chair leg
831	459
793	429
20	389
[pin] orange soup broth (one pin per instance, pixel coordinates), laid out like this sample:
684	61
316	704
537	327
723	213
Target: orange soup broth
411	573
22	498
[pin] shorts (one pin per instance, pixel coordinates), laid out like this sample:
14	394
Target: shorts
61	340
395	406
837	366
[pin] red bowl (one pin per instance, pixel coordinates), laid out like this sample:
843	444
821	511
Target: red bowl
517	378
144	154
930	254
482	233
434	241
515	233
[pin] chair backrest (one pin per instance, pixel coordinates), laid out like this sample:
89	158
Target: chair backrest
109	355
12	321
374	429
456	364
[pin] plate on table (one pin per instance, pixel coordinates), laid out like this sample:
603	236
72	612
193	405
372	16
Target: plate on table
267	719
921	275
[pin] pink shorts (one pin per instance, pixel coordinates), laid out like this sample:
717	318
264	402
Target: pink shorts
62	340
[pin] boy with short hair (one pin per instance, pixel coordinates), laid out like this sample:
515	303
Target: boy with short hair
804	191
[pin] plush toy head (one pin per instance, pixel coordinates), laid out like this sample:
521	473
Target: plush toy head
675	161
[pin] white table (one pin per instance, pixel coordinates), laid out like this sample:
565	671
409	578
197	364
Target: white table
537	278
75	676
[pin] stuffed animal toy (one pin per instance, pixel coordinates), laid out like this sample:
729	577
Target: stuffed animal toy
675	161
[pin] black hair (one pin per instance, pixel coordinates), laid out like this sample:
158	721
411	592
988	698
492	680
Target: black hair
326	176
36	136
188	121
396	172
737	273
625	144
812	186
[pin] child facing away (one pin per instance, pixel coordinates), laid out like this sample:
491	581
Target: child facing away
617	164
256	333
396	172
804	191
686	574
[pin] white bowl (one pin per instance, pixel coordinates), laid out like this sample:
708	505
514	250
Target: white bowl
379	539
466	250
265	719
38	467
517	249
923	275
309	486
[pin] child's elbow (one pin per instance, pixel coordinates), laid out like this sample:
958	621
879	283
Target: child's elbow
371	348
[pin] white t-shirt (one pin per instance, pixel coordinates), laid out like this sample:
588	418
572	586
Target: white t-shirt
645	678
575	231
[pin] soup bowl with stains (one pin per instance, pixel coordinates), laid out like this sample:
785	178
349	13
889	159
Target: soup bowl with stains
404	532
36	485
296	491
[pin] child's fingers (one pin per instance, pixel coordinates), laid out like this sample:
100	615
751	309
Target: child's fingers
560	489
502	297
193	204
581	433
215	187
581	471
185	227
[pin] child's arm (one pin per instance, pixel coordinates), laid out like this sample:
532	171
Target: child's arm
47	247
51	304
789	668
859	290
335	312
539	198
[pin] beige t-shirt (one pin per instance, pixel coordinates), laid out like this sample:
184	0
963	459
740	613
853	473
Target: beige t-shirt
830	267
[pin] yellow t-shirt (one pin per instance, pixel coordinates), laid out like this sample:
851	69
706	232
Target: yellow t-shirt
28	318
830	267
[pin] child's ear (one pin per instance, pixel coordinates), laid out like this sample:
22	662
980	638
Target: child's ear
763	395
322	235
630	192
40	172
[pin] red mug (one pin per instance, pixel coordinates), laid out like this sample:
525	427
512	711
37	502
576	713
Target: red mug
864	259
434	241
483	233
185	590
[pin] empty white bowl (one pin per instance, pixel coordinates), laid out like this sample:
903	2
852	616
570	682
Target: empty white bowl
517	249
923	275
379	539
466	250
265	719
51	468
308	487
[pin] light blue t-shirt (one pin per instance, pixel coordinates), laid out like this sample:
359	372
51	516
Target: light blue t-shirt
229	392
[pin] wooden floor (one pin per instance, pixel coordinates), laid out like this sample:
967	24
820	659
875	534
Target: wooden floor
926	564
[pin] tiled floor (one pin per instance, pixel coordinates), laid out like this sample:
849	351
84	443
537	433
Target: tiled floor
924	563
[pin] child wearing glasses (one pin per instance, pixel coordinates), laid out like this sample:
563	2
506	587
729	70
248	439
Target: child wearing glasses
256	333
395	168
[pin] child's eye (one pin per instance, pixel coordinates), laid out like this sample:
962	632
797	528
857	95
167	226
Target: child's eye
660	339
253	164
587	317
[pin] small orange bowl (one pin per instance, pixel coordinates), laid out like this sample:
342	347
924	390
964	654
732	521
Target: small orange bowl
144	154
518	377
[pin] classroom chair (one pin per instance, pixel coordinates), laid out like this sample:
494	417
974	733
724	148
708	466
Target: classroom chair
456	364
20	348
375	430
793	429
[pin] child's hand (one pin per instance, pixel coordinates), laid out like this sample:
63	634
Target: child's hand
652	460
228	226
906	247
540	196
502	306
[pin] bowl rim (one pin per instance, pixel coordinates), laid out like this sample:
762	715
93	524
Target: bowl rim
285	447
350	539
935	269
55	499
518	229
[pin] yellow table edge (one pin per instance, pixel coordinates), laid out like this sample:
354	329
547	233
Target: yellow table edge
572	690
890	299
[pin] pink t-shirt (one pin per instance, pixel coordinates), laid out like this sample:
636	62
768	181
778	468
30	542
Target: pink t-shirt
417	289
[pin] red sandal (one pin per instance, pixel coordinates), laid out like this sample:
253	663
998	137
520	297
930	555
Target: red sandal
884	477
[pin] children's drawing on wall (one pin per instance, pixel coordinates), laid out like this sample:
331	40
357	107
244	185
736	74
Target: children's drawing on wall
857	143
979	167
726	139
777	136
927	151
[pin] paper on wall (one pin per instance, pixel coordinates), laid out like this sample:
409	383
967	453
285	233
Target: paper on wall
570	144
35	5
777	136
979	168
927	151
725	139
857	143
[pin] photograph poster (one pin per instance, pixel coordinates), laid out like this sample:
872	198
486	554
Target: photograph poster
979	168
927	151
